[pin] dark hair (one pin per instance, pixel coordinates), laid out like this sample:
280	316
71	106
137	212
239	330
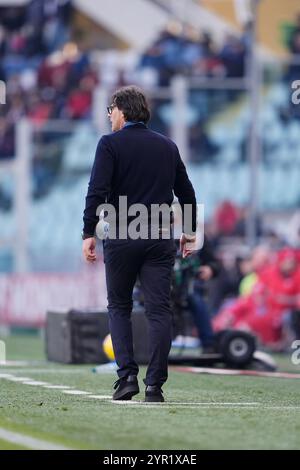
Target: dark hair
132	101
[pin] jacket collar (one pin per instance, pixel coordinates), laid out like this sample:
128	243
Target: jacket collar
136	125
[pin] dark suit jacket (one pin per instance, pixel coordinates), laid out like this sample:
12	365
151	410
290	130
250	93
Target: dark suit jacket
138	163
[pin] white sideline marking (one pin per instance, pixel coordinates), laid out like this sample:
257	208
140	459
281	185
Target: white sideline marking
58	387
198	407
76	392
18	379
170	403
215	403
29	442
100	397
54	370
35	383
127	402
281	407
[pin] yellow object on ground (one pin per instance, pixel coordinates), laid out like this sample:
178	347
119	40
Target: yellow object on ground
108	348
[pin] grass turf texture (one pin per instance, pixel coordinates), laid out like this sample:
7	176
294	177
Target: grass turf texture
80	422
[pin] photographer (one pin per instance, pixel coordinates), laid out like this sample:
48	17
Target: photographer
189	290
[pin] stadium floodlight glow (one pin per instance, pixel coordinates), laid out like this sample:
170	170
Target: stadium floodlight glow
2	92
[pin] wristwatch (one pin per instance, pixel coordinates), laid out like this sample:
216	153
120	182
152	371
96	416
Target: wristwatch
84	236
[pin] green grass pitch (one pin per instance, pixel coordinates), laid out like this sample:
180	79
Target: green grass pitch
201	411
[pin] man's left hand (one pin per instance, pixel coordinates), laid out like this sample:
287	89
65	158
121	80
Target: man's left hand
187	245
205	273
89	249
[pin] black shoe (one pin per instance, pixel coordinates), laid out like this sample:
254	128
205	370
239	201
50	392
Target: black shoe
126	388
154	393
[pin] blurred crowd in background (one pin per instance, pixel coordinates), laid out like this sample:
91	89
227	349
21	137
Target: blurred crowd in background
262	295
186	54
46	76
49	76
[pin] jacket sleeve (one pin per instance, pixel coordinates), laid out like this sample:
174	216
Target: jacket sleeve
99	185
184	191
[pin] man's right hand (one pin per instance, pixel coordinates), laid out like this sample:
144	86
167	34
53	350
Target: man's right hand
89	249
187	245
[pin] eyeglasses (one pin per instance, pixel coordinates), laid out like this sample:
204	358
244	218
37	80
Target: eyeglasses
110	109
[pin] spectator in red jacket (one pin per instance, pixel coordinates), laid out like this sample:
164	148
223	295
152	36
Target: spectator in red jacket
226	218
79	101
273	298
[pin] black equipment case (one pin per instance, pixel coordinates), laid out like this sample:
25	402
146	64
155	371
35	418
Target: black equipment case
76	336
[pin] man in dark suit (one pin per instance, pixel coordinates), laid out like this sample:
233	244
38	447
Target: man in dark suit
146	167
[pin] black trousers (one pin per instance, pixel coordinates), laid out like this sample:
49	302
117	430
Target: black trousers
152	261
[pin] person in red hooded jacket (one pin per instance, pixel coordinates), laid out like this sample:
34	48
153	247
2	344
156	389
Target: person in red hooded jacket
274	297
